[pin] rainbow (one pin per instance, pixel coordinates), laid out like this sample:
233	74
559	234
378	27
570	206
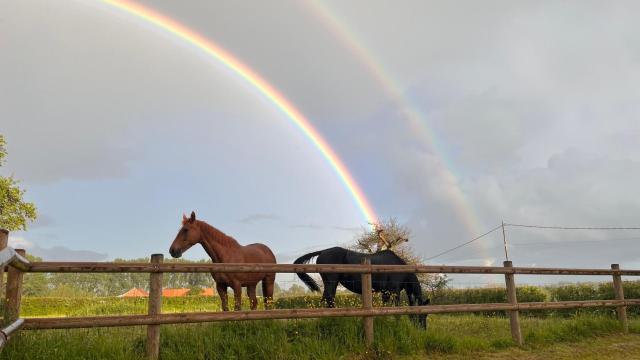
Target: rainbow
419	125
271	93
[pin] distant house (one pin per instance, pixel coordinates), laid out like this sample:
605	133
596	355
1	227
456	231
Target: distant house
135	292
174	292
208	292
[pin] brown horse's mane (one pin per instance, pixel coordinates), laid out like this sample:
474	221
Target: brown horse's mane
211	233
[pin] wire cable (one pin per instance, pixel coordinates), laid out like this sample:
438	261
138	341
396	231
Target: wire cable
572	227
465	244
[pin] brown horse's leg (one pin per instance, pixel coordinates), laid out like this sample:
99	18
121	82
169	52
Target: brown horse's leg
237	295
251	291
222	291
267	289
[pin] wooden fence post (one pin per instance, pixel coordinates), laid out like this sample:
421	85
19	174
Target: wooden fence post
619	293
155	308
367	303
514	315
14	293
4	242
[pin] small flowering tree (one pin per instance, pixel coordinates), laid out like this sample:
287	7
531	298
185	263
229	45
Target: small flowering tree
390	235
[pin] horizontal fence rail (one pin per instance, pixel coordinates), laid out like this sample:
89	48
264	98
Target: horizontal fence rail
9	256
183	318
105	267
6	333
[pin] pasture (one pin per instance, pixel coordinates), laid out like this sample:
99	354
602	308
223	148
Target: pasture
337	338
448	336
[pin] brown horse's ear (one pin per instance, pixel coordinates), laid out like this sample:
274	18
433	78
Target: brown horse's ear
193	217
184	219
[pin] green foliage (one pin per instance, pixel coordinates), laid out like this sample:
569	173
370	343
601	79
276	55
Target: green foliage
195	291
100	285
294	290
593	291
3	149
489	295
15	213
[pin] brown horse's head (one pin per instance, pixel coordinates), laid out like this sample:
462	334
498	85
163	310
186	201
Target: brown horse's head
188	236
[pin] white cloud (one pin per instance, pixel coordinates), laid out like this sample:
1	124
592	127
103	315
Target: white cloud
18	242
55	253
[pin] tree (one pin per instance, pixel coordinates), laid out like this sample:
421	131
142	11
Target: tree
294	290
15	213
391	235
195	291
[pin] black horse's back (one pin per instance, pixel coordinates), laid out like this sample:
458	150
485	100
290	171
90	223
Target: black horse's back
389	284
386	257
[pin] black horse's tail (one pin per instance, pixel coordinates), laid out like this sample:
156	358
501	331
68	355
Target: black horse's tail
304	259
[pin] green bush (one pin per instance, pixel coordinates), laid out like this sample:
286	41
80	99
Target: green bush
74	306
593	291
489	295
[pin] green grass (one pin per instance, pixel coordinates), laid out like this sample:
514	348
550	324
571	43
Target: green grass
337	338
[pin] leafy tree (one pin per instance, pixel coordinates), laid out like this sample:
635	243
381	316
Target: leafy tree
390	234
35	284
14	211
195	291
294	290
110	284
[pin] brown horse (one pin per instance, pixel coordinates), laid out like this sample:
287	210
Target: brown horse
225	249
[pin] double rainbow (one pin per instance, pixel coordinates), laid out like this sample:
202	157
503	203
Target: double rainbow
280	101
416	120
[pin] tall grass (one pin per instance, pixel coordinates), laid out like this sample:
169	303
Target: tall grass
329	338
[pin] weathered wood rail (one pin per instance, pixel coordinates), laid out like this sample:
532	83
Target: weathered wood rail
17	265
107	267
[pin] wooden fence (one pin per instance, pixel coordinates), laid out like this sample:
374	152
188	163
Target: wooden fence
17	265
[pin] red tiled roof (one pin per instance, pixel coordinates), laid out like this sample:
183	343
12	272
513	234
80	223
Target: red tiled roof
135	292
174	292
208	292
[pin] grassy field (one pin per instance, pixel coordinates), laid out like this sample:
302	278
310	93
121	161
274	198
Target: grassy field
448	336
547	335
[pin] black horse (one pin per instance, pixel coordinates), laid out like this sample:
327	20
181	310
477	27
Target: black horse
389	284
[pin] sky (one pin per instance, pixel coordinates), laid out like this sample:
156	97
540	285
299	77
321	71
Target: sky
522	112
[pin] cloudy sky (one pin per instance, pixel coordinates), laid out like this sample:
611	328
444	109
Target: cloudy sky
451	116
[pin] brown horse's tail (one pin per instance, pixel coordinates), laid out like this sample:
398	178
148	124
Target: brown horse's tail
304	259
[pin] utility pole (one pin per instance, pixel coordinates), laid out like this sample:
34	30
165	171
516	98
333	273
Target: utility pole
504	240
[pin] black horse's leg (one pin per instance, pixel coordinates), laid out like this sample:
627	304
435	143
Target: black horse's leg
396	297
412	299
330	285
386	296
